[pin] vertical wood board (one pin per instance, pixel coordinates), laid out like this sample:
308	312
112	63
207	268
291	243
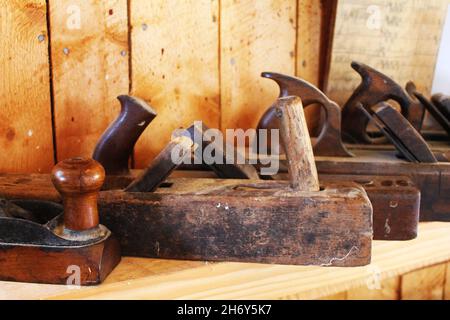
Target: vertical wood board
25	120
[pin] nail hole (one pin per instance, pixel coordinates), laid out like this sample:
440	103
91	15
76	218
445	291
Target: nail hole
166	185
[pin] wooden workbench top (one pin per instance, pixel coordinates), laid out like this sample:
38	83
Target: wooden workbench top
138	278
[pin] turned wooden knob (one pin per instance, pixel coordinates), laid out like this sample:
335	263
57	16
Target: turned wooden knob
79	180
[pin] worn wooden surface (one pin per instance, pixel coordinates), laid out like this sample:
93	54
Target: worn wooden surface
399	38
89	50
25	122
231	220
297	144
433	179
138	278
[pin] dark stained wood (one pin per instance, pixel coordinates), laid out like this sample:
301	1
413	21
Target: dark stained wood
395	201
115	147
230	220
297	144
54	265
432	179
59	246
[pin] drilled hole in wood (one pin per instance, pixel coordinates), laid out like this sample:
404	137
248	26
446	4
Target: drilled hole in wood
166	185
402	183
387	183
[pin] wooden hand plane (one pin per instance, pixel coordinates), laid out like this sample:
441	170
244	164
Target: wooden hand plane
288	222
44	243
403	217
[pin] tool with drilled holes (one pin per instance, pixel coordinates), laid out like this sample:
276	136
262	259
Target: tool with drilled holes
403	217
287	222
44	243
432	179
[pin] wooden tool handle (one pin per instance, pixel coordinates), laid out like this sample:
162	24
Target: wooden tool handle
79	180
114	148
297	144
329	142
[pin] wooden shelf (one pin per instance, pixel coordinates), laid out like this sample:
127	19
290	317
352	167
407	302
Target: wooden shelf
414	269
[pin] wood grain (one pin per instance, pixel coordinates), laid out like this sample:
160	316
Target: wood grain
388	289
141	278
308	49
175	67
399	38
294	134
309	27
430	280
25	121
89	49
256	36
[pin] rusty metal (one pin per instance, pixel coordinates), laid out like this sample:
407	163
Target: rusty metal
222	168
436	107
114	149
175	152
443	104
401	133
375	88
329	142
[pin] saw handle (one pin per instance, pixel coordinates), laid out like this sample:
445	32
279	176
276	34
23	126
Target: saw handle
79	180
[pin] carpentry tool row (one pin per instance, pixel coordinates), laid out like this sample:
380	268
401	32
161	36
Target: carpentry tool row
236	214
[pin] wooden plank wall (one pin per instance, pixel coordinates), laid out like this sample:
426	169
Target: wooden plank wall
25	120
64	63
